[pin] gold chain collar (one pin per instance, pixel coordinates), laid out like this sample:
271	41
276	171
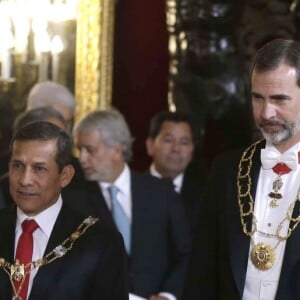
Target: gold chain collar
262	254
17	272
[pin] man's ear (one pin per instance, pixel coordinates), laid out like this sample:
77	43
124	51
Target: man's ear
149	146
118	152
66	175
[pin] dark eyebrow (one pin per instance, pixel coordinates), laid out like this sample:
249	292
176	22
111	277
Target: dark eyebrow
280	97
274	97
256	95
16	161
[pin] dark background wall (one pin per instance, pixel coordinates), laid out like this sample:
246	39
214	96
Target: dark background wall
212	81
140	67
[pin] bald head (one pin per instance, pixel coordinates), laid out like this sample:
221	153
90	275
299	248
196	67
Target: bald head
52	94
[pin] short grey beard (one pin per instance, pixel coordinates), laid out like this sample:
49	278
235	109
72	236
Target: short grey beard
281	137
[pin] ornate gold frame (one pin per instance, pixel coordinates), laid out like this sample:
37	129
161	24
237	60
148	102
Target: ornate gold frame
94	55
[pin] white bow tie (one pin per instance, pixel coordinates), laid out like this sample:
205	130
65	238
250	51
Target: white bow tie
270	158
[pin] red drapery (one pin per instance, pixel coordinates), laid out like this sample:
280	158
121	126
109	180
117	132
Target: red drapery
140	68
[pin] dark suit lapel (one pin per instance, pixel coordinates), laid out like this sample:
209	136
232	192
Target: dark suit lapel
238	242
98	204
139	207
291	260
47	275
7	240
136	194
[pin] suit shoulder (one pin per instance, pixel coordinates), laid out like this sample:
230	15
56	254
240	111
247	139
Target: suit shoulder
146	179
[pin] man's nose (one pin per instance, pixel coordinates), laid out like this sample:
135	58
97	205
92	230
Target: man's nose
26	177
82	156
268	111
175	145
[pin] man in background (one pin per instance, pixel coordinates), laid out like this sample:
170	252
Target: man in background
171	144
144	209
48	93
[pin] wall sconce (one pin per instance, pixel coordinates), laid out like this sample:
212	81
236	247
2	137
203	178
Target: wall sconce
32	42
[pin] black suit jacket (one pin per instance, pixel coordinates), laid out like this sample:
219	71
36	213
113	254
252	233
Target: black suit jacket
219	257
191	193
93	269
160	238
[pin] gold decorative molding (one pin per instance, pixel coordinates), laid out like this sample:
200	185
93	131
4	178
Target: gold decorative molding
94	55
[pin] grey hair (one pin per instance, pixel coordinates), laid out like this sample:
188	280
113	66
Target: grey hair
48	93
112	126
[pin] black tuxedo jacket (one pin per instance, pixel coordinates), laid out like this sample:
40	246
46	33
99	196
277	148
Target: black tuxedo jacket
160	238
219	258
192	191
93	269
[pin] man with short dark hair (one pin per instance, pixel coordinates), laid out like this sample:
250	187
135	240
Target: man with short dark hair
47	250
248	241
171	143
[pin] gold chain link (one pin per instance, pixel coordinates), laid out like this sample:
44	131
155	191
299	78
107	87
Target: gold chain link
245	199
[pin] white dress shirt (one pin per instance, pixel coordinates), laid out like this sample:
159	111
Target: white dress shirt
262	285
123	183
45	220
177	181
124	194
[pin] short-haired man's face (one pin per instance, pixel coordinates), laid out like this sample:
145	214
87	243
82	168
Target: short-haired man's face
99	162
34	177
172	149
276	105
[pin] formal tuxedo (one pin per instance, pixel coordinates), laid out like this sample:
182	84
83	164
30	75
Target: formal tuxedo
160	240
93	269
218	262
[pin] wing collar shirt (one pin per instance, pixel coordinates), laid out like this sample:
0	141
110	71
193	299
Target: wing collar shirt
177	181
262	285
46	220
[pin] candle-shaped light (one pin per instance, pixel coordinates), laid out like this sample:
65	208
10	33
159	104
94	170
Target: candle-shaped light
21	29
6	41
42	43
56	48
6	60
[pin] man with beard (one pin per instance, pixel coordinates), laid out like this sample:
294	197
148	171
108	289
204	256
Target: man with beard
248	244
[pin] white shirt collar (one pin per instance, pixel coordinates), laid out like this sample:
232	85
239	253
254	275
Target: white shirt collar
122	182
44	219
177	181
271	147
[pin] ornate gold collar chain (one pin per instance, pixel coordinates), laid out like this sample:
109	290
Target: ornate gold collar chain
16	271
262	255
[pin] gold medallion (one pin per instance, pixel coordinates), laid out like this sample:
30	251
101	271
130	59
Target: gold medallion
17	271
263	256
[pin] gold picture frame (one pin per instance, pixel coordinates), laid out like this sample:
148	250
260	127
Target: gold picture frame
94	55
